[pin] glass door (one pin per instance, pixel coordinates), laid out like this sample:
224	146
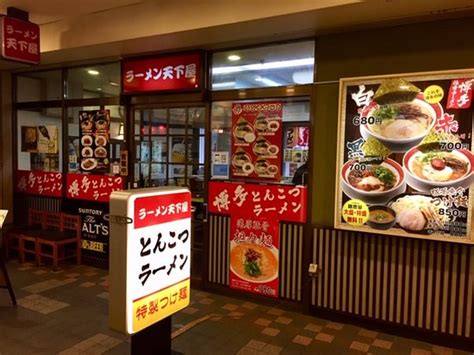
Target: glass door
170	150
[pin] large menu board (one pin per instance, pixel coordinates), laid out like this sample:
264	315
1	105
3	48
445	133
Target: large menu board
405	161
256	140
94	135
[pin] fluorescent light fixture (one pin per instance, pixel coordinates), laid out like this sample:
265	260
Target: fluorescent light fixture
264	66
267	81
224	84
93	72
112	83
99	89
233	57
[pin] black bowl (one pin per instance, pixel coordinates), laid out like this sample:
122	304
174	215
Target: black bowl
382	225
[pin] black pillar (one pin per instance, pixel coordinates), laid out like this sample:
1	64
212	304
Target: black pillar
154	340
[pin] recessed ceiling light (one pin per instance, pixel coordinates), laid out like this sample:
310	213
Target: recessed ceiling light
93	72
113	83
99	89
233	57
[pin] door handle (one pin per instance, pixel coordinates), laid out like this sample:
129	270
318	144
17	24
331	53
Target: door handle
206	212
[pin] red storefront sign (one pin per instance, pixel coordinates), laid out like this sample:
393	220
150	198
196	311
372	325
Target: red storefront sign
39	183
460	93
20	40
168	208
256	140
92	187
177	72
272	202
255	212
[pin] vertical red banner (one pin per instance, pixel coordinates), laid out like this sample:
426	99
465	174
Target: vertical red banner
254	254
256	140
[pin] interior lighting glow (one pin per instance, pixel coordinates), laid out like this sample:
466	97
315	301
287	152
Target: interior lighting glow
264	66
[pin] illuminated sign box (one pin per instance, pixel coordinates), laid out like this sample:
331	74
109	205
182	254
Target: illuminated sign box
150	256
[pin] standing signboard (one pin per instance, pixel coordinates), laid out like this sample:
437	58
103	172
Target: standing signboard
20	40
150	256
405	162
255	214
256	140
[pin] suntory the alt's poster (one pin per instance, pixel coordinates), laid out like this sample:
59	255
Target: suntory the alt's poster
405	161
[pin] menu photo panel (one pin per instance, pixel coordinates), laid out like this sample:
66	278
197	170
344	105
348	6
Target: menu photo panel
405	161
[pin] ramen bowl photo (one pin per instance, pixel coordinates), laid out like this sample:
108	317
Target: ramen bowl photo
87	140
400	126
261	166
240	158
431	168
244	132
373	183
254	263
273	125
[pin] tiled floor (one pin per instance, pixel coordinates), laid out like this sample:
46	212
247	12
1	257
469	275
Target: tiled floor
65	312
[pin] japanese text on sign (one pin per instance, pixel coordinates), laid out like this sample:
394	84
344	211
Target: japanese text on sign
39	183
21	40
92	187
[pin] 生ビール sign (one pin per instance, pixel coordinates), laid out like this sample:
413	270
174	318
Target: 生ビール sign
150	256
405	161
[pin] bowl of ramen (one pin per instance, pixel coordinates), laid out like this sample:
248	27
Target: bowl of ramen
244	132
87	140
100	140
88	164
273	150
373	183
101	125
272	170
261	146
86	125
87	152
418	213
381	217
261	166
254	263
261	123
431	168
400	125
100	152
240	158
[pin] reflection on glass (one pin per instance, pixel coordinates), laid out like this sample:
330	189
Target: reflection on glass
158	149
158	121
177	120
94	81
41	86
269	66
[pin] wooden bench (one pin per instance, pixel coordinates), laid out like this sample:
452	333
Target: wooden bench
13	236
53	244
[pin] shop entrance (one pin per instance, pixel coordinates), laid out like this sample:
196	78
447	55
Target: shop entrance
169	149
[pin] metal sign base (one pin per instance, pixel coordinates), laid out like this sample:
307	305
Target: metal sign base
8	284
154	340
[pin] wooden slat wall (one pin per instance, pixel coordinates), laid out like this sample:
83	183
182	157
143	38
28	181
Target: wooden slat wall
291	254
412	282
291	260
23	202
219	230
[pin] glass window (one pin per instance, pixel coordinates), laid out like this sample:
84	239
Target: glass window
277	65
39	139
169	146
295	132
78	151
93	81
39	86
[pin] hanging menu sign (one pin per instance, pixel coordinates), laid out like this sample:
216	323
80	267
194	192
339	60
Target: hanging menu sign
256	140
94	135
405	161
